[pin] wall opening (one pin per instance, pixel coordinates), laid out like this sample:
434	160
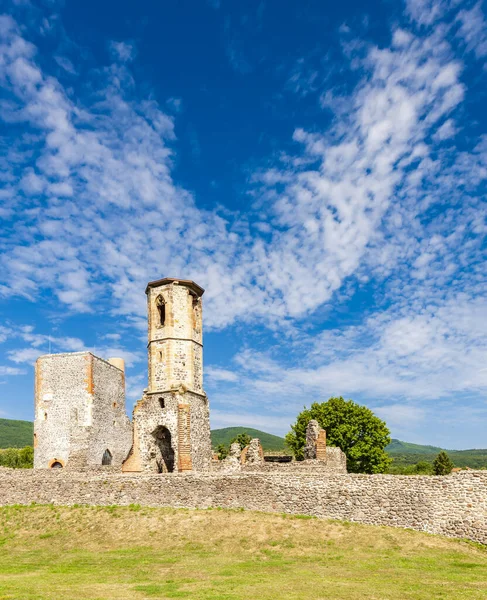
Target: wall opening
106	458
56	465
163	455
162	403
161	310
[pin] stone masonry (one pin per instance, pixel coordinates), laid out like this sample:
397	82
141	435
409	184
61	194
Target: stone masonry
80	417
454	505
172	419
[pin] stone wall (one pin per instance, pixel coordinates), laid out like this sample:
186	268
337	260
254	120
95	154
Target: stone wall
454	505
79	411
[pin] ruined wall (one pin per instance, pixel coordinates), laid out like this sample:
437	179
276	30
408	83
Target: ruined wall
454	505
335	464
80	411
111	428
149	416
63	399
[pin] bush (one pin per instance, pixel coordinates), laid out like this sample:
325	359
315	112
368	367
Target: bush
222	451
17	458
442	465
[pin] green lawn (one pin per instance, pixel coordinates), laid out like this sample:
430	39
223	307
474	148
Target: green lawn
134	553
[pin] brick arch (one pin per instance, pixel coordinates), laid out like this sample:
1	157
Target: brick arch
56	460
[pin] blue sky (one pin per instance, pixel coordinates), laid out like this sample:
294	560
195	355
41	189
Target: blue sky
319	168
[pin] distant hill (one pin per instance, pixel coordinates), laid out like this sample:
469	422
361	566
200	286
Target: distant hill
270	443
405	454
16	434
398	447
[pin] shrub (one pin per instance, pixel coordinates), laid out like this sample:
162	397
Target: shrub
17	458
442	465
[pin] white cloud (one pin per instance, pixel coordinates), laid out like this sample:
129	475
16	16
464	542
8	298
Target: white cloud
123	51
217	374
6	371
377	198
323	226
473	29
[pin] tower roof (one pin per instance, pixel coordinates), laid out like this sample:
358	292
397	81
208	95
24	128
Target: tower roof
194	287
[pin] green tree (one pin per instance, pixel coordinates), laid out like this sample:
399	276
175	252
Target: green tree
243	439
222	451
442	465
423	467
17	458
352	427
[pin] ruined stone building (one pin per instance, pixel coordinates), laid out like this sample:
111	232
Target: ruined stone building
172	419
80	419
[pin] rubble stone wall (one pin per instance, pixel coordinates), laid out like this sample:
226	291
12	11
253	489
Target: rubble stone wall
80	411
454	505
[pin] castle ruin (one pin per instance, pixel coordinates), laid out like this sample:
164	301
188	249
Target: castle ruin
87	450
80	418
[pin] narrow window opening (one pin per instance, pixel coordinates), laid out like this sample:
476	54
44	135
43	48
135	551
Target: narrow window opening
160	356
45	416
107	458
161	309
162	403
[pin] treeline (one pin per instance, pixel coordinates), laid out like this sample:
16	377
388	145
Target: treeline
474	459
17	458
441	465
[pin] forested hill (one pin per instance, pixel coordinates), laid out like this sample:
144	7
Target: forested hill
405	454
16	434
398	447
270	443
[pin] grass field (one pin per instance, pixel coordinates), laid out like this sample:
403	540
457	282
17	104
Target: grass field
135	553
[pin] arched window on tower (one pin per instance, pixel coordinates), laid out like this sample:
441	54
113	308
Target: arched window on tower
106	458
161	310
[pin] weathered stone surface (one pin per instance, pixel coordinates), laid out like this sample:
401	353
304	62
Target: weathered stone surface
79	412
172	420
253	454
454	505
312	431
315	442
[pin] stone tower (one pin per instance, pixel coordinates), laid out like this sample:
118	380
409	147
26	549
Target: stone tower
171	421
80	419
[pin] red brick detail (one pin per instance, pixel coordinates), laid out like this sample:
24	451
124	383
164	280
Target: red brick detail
184	438
321	445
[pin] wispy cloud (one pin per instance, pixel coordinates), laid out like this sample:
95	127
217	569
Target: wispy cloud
378	199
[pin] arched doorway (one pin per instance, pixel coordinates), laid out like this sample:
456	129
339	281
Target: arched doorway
56	464
162	452
106	458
